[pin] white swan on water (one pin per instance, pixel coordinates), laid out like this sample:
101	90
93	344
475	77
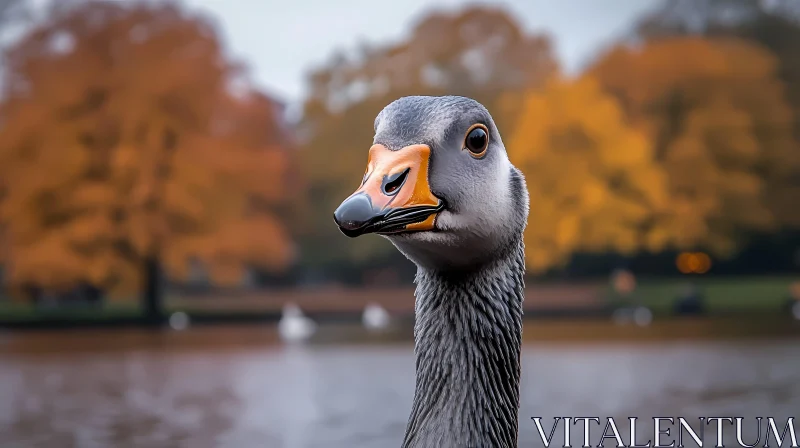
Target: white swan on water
179	321
638	315
294	326
375	317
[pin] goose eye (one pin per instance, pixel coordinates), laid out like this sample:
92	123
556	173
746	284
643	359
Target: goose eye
477	140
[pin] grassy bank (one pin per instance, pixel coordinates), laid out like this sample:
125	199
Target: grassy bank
721	296
759	294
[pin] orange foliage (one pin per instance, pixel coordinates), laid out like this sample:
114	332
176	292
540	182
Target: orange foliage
121	138
721	128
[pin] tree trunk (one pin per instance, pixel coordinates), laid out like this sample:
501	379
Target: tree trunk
153	291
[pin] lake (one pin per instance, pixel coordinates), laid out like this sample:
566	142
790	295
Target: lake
240	387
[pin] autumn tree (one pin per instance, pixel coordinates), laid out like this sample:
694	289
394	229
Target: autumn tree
478	52
676	17
593	181
123	146
721	129
774	24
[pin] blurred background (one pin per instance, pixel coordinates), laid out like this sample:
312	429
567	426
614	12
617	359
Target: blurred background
171	275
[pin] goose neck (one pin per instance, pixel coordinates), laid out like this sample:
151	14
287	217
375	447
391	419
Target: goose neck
468	333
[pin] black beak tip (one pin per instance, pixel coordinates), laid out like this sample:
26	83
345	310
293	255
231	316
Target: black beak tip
354	215
351	233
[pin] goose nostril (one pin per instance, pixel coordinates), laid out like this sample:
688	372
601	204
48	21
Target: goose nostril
392	184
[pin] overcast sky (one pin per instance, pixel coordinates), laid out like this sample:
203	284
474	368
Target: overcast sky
282	40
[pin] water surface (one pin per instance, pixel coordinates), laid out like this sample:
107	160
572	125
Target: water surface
202	388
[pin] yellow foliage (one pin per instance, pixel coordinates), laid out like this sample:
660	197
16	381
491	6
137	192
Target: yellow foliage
129	144
593	180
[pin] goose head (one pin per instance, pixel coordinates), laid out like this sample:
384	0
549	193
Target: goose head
438	184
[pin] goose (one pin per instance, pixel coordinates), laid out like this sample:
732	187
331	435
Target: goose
440	187
375	317
294	326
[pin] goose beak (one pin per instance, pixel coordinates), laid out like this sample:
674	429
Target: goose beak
394	196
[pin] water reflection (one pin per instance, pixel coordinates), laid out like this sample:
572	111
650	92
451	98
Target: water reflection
260	394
